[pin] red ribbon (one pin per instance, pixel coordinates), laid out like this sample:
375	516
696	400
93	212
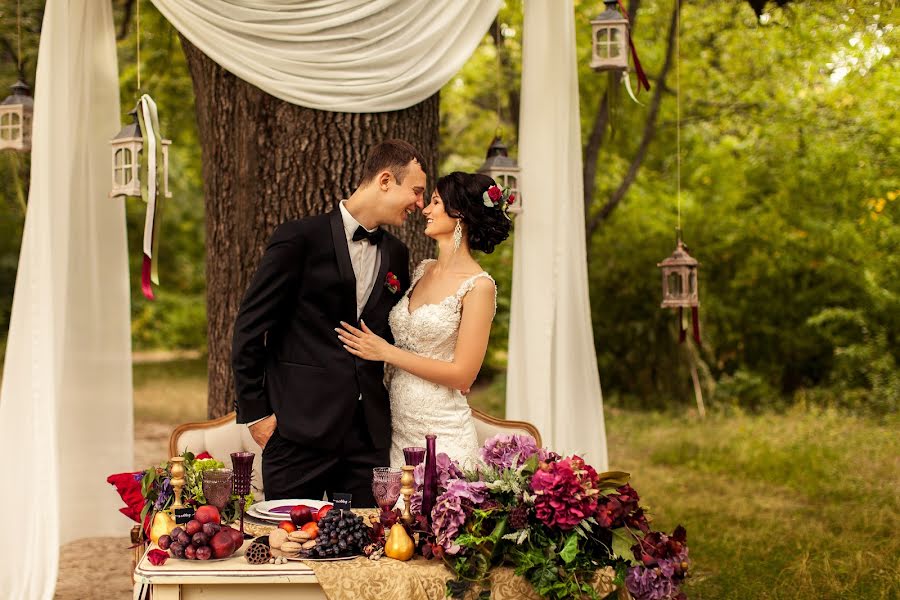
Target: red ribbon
642	77
145	278
695	322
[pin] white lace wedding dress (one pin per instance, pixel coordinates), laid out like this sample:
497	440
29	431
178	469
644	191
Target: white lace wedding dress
419	407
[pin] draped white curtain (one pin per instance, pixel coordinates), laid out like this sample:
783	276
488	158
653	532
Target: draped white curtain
337	55
65	402
552	378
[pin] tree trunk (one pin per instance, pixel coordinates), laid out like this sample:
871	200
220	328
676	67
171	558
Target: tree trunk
266	161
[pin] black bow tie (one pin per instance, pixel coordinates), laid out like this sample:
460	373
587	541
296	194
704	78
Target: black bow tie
373	236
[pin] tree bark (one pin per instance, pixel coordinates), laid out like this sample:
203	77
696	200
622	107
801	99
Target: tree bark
266	161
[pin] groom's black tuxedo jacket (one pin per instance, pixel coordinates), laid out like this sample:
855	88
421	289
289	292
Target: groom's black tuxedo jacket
286	356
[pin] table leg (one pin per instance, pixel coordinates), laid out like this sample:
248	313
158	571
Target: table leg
166	592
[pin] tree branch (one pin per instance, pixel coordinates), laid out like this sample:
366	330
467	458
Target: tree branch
649	132
126	19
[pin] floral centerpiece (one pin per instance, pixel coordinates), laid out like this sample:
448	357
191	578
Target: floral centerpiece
570	531
157	493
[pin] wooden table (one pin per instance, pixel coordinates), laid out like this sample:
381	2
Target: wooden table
231	578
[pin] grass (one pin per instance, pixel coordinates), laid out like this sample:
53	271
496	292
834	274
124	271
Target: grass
170	392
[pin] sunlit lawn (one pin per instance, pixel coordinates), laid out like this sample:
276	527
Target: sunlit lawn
798	506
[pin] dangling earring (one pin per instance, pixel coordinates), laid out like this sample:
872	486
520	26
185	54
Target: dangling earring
457	236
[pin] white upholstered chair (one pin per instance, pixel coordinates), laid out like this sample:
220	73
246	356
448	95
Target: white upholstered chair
220	437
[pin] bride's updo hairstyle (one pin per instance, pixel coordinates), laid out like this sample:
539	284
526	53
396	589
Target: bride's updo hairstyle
462	195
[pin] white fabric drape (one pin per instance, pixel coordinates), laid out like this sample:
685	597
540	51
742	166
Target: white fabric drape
338	55
552	377
65	402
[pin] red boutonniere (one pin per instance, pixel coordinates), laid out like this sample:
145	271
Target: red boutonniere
392	283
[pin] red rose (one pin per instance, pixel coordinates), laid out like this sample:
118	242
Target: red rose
157	557
494	193
512	198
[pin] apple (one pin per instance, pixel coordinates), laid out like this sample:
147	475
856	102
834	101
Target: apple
322	512
301	514
287	526
208	514
236	536
221	544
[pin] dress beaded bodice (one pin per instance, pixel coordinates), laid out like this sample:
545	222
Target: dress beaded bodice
419	407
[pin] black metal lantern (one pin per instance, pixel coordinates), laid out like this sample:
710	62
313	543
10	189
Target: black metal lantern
609	40
679	279
15	119
504	170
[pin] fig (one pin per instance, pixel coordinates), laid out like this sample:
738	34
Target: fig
211	529
190	552
203	553
177	550
193	526
199	539
165	541
184	539
174	533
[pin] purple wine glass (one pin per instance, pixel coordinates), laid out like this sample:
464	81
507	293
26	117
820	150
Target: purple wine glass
414	455
243	471
386	486
430	487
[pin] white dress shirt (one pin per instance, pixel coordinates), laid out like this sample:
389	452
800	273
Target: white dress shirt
363	256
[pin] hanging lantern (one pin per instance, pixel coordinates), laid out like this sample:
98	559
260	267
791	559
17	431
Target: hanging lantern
609	40
15	119
504	170
127	149
126	160
680	287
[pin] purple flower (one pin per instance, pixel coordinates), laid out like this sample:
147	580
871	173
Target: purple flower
452	508
650	584
447	469
505	451
165	491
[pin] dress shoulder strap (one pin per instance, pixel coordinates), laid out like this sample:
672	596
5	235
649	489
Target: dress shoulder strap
420	270
469	284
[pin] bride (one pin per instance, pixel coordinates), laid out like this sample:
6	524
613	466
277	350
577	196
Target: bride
442	323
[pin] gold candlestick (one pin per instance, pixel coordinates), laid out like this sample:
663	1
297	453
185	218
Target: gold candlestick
177	481
407	489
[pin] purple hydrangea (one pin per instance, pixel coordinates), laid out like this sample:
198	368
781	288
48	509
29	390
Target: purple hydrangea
506	451
452	508
447	469
650	584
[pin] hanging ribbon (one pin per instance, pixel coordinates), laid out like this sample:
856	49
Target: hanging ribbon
642	77
682	325
152	140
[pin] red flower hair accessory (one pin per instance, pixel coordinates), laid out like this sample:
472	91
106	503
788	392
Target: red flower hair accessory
497	197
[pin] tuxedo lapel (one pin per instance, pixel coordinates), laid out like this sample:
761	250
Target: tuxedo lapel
345	267
378	287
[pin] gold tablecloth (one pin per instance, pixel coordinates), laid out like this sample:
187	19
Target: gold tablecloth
417	579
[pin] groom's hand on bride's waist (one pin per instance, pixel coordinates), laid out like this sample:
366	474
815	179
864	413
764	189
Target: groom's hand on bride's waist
263	429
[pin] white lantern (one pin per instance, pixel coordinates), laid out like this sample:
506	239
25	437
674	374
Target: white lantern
15	119
126	160
127	151
504	170
609	40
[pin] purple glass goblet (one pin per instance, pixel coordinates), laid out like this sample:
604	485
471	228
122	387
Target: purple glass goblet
386	486
414	455
243	471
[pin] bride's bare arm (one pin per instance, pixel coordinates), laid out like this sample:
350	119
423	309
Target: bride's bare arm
471	345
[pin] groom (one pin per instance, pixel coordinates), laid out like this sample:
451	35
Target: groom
320	414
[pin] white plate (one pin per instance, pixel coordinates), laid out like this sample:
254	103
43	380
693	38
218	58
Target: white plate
251	512
266	508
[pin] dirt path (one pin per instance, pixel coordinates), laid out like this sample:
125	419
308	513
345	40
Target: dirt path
100	568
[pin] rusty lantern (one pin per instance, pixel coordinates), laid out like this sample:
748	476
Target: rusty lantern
680	287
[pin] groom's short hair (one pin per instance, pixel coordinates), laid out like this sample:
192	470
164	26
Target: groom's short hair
393	156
